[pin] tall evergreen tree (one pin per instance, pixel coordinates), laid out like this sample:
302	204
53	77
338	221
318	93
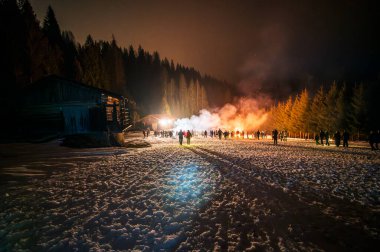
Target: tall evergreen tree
51	27
183	96
72	68
317	109
54	63
93	70
114	67
342	109
35	44
359	109
329	113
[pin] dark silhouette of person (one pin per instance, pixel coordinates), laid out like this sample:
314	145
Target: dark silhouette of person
188	136
275	135
285	136
220	134
345	138
180	136
337	138
317	139
258	134
327	136
321	136
377	139
225	133
144	133
205	134
372	139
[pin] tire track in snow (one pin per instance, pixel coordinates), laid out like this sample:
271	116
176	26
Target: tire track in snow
328	204
131	187
306	220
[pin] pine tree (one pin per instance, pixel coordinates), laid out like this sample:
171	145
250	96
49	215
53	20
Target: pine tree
342	109
51	27
92	64
277	114
294	116
112	57
304	110
204	99
286	114
71	56
183	97
317	108
35	44
192	97
359	109
329	113
54	62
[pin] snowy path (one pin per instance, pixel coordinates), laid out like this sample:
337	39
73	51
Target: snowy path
211	195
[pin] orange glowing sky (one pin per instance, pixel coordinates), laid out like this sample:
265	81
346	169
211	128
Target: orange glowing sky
237	40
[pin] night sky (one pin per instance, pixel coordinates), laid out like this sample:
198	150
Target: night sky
246	42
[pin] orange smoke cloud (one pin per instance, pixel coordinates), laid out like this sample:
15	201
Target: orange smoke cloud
245	114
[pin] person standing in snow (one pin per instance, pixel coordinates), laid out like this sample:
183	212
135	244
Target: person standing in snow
275	135
180	136
220	134
337	138
317	139
225	133
188	136
321	136
372	140
345	138
327	136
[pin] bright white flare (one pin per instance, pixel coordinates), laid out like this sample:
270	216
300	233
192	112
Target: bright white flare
165	122
244	115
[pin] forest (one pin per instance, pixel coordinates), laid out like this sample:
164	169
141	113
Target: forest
337	108
31	50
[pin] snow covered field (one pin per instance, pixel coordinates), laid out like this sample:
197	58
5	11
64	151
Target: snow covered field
210	196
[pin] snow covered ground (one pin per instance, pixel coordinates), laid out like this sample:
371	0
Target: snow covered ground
209	196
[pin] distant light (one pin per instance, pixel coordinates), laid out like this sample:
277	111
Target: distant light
165	122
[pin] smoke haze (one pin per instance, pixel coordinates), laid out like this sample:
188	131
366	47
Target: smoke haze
244	114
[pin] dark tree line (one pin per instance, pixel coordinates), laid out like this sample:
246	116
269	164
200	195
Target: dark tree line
31	50
340	107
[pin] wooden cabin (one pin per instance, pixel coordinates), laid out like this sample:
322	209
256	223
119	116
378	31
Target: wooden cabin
58	105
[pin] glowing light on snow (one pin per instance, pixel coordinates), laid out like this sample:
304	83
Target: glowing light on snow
188	186
246	114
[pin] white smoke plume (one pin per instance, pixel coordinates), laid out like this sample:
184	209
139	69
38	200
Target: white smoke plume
245	114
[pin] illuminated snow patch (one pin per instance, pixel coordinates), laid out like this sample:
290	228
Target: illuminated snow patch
189	185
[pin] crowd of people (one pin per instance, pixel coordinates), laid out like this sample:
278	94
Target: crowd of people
338	137
321	138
